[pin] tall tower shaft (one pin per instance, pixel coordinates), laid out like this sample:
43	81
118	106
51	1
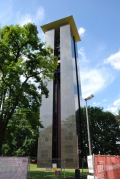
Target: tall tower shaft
61	112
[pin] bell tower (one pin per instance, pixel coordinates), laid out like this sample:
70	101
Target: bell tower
60	113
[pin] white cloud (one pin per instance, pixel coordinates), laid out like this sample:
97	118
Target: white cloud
99	103
36	17
96	104
117	102
82	53
94	80
22	78
114	60
114	107
39	16
81	31
25	19
104	100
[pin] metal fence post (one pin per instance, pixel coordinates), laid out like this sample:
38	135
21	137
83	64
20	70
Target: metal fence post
77	174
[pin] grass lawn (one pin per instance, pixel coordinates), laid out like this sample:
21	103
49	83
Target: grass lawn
41	173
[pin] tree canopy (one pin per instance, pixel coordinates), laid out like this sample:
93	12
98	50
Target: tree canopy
118	120
25	67
21	135
118	117
104	131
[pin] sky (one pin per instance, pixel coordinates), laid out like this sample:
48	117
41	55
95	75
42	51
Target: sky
98	23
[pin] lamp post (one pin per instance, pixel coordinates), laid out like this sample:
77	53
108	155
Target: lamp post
88	128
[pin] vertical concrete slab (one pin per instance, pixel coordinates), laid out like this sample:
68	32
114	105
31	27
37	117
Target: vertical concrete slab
46	114
69	141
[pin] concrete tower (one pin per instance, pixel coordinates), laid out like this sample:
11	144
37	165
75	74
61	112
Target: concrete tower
61	136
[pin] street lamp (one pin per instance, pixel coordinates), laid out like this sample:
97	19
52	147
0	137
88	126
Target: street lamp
88	128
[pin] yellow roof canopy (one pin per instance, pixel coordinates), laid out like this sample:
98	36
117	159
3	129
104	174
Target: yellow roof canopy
57	24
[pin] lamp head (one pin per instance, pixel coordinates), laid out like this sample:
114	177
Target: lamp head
89	97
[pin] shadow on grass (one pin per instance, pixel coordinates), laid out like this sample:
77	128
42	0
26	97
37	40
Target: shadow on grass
41	173
50	175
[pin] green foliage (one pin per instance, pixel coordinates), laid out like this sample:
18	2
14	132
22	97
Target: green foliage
118	121
25	67
118	117
104	131
22	134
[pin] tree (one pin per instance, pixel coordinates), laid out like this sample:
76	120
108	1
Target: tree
104	131
118	120
21	134
25	67
118	117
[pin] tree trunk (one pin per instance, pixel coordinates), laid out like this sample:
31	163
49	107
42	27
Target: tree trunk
2	133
